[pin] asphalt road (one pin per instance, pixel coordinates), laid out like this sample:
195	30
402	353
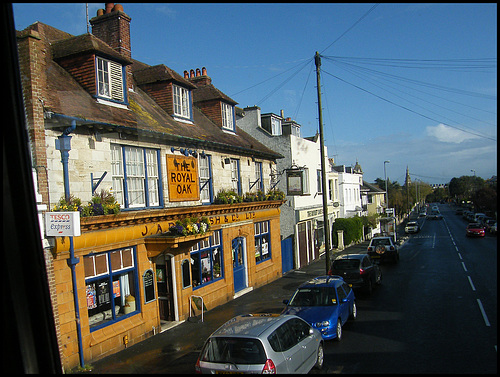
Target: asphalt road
435	312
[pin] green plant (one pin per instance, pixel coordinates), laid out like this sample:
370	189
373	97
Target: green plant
103	203
227	197
275	195
189	226
72	204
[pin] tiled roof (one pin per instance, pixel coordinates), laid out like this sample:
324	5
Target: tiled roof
210	92
83	44
63	95
158	73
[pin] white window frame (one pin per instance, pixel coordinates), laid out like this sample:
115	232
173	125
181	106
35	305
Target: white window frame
110	80
140	164
204	172
227	116
275	126
181	97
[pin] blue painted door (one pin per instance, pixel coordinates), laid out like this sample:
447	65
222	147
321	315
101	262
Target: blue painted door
238	264
287	254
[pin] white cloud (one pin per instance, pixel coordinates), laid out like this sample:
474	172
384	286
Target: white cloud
448	134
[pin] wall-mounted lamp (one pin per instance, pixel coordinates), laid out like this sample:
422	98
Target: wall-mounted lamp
186	152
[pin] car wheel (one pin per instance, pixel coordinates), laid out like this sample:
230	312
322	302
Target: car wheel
378	279
320	358
339	331
354	311
369	286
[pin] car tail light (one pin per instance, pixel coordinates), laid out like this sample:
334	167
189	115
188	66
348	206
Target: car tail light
197	367
361	271
369	248
269	367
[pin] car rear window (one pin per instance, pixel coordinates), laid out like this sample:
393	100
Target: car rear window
381	241
320	296
234	350
346	264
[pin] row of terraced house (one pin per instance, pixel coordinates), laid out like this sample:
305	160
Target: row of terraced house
165	145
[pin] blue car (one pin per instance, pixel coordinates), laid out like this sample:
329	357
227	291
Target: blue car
325	302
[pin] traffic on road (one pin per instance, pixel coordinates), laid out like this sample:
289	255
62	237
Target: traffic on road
435	311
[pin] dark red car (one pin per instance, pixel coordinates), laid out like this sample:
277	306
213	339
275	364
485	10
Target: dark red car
475	230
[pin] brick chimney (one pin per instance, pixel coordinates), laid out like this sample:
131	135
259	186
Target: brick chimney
112	26
200	79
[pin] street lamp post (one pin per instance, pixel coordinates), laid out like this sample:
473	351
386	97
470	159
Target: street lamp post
386	192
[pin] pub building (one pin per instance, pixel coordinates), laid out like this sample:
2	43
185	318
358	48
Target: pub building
164	145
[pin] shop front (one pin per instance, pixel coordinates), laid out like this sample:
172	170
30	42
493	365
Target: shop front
134	278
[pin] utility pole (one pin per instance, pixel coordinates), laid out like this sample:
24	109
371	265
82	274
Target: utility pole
326	230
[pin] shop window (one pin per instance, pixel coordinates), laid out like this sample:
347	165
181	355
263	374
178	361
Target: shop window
262	240
186	279
206	260
111	286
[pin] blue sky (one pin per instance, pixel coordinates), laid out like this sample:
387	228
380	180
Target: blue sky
415	84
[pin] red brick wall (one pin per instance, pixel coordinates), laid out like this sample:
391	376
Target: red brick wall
212	109
82	68
161	92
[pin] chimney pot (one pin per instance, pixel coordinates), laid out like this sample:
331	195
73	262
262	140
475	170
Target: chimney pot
191	73
109	7
118	7
100	12
186	74
204	71
198	74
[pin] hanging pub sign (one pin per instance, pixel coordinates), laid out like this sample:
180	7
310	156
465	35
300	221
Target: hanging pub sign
297	182
183	183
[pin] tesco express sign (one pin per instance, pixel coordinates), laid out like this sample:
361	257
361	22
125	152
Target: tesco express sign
62	224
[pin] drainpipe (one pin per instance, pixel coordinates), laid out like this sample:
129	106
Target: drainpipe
63	144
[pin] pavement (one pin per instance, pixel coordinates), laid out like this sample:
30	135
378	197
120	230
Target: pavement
176	350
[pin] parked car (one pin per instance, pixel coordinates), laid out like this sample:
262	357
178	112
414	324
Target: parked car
412	227
262	343
325	302
383	248
488	224
493	228
357	270
475	230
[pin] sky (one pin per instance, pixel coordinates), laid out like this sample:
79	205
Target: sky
413	84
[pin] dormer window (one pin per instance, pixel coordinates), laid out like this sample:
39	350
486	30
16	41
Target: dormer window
110	83
182	103
227	116
275	126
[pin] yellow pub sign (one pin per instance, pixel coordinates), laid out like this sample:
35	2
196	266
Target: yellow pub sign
183	183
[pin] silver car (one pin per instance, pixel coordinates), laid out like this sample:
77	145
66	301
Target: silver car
262	343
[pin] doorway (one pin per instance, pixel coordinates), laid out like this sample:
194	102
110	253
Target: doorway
165	284
239	271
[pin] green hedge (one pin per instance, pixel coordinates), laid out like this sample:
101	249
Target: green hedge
352	227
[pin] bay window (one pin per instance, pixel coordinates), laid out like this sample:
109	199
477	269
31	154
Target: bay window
111	282
136	176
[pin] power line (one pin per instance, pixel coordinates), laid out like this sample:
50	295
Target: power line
348	30
419	98
408	109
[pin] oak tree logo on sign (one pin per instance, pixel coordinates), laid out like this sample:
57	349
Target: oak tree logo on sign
183	181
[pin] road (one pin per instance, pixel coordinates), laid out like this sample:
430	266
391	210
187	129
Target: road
435	312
